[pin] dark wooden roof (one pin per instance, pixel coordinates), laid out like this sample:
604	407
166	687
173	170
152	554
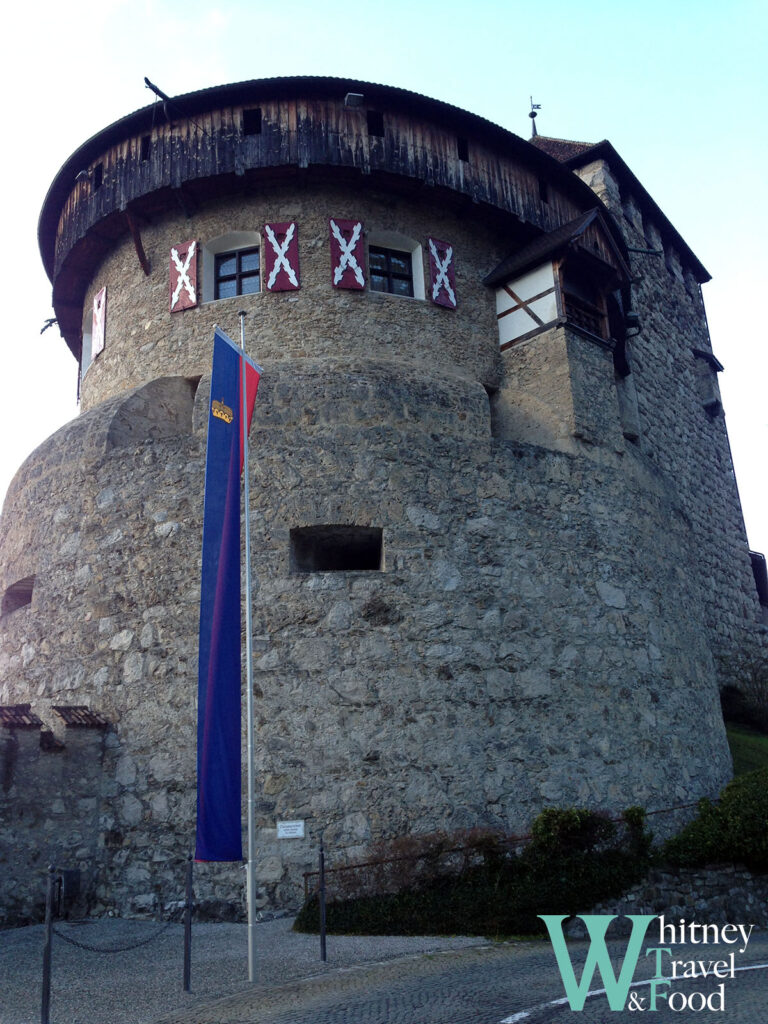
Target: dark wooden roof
196	104
554	242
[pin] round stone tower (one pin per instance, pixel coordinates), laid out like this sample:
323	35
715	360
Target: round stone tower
477	590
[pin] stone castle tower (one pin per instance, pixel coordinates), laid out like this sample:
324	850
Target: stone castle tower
496	532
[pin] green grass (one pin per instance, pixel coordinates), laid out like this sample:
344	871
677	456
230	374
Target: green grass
749	749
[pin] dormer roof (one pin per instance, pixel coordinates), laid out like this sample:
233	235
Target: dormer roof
589	232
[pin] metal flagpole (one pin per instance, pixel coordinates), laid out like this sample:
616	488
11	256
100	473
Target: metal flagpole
250	887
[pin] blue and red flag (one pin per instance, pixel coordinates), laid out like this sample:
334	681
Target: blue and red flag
219	835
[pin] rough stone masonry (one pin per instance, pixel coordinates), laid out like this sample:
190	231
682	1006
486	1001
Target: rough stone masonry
533	554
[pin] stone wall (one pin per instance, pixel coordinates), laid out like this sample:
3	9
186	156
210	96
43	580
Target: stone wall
145	340
526	620
686	439
551	598
720	894
50	804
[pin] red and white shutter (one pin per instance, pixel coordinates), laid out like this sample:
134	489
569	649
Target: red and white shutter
347	253
182	277
281	257
99	322
441	273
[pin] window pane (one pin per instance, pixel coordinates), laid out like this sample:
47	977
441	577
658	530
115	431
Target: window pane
226	265
226	289
377	260
379	283
401	264
249	260
249	285
401	286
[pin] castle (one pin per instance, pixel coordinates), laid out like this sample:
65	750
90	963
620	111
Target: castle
498	545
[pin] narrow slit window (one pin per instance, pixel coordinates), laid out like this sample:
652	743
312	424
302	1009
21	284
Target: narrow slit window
252	121
462	147
18	595
336	548
98	176
494	410
146	141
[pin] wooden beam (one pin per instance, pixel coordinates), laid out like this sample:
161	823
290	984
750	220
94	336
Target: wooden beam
136	236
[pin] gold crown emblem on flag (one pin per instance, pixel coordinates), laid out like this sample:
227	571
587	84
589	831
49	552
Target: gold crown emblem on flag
222	411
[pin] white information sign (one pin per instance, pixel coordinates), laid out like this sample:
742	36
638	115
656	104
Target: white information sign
290	830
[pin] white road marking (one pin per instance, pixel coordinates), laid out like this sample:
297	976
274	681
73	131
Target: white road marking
515	1017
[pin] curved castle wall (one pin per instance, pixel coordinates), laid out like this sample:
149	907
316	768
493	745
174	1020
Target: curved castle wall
537	633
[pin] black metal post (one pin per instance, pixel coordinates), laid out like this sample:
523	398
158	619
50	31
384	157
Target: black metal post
323	954
188	927
47	942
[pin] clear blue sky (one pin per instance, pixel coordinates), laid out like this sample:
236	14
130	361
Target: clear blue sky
678	87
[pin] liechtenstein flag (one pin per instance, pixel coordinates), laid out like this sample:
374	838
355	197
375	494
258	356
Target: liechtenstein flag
218	695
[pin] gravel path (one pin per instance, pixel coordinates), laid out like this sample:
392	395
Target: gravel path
137	986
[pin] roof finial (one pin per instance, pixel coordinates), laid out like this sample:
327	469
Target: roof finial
532	115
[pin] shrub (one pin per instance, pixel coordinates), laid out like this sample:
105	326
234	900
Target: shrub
734	829
475	883
559	831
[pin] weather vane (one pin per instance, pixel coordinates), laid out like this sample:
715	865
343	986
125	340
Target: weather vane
532	115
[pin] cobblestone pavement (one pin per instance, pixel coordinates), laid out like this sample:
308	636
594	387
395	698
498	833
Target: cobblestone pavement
487	985
136	985
372	980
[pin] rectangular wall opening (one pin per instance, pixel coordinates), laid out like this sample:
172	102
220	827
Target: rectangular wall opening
336	548
252	121
375	123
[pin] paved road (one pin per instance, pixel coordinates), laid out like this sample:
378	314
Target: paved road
509	982
371	980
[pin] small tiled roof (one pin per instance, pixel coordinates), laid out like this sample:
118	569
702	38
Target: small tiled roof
560	149
19	716
79	716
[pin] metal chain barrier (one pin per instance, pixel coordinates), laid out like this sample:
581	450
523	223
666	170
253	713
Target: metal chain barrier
113	949
125	947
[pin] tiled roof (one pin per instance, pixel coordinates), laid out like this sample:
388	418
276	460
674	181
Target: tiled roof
79	716
19	716
560	149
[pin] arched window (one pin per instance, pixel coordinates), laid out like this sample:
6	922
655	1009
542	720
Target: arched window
395	264
232	265
18	595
